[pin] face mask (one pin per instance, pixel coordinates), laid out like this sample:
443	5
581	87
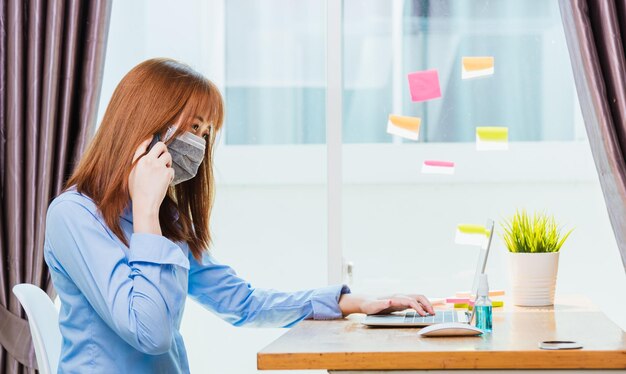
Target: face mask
187	152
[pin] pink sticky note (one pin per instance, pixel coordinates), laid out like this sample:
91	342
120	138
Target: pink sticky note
454	300
424	85
445	164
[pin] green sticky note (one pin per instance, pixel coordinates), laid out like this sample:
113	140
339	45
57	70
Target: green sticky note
491	133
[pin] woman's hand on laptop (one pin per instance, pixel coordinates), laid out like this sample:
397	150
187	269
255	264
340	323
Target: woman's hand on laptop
350	303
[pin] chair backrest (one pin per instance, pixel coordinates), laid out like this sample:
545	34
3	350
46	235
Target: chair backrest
43	319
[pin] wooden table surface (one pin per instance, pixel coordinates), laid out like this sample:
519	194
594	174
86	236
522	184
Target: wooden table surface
348	345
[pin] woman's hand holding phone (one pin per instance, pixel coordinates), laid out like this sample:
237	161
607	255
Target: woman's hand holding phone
148	183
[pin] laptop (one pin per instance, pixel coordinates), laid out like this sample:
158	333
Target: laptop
411	318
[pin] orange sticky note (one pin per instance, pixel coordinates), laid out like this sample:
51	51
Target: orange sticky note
424	85
476	67
406	127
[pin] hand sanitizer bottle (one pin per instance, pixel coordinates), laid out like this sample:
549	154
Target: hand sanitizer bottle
482	305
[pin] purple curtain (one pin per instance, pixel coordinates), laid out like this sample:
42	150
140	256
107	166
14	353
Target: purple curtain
51	65
595	31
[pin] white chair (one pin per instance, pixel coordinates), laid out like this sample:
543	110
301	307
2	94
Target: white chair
43	319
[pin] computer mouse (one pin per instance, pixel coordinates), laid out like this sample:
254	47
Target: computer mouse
450	329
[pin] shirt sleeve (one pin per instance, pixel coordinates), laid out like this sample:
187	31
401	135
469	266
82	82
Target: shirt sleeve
137	296
218	288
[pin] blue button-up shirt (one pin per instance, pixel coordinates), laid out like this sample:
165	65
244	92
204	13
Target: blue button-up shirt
121	306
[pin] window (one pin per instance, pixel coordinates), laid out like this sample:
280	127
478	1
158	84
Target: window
531	92
275	72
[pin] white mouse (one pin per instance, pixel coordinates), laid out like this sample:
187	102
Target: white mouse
450	329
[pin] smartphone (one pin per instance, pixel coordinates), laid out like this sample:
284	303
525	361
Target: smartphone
555	345
155	139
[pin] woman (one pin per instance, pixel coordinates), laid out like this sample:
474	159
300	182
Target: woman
126	242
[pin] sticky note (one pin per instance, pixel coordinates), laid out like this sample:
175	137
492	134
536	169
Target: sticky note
406	127
494	303
424	85
477	67
470	296
457	300
437	167
473	229
464	306
472	235
492	138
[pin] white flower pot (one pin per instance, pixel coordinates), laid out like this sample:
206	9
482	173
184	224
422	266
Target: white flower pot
533	278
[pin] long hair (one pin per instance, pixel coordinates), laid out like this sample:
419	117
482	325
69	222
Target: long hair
152	96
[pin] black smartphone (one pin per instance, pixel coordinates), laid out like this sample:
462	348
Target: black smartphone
155	139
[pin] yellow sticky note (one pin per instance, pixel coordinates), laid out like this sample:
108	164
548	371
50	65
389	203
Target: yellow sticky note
469	234
403	126
494	304
473	229
477	66
492	138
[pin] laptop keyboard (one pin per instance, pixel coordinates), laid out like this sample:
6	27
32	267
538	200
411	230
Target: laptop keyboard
440	317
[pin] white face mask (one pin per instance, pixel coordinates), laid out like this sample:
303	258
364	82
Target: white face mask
187	152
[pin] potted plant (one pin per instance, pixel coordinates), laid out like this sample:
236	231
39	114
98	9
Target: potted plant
533	243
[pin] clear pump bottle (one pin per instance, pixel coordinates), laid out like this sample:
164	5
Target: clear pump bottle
482	305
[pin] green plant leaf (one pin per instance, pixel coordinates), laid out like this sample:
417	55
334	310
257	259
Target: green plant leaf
538	233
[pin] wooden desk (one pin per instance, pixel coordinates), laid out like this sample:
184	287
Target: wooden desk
347	345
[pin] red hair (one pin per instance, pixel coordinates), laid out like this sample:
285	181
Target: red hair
152	96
